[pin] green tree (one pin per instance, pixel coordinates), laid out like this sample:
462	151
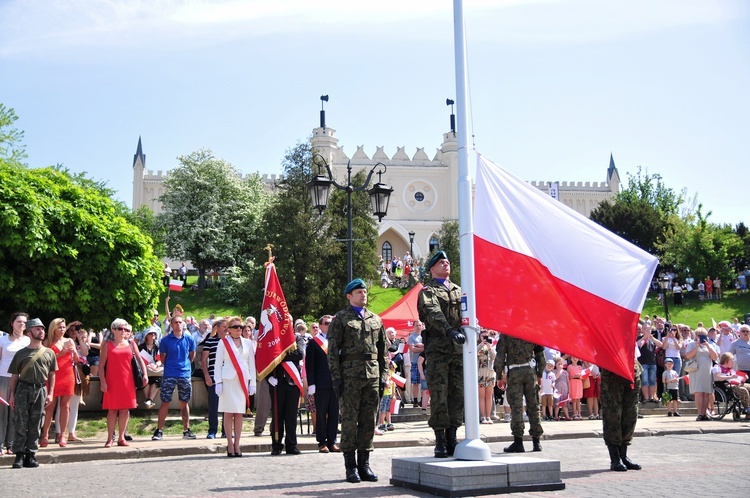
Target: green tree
309	261
642	213
11	139
66	251
694	245
210	213
145	219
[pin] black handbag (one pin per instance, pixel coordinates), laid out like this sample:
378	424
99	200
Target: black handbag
137	371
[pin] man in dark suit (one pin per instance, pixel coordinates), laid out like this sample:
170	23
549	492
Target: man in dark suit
321	386
285	401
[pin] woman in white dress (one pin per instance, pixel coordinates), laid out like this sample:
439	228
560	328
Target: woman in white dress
233	396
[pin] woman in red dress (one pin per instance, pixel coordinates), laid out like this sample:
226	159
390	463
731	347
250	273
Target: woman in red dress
65	379
117	381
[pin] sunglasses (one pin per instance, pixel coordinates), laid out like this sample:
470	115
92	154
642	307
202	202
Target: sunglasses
236	326
326	323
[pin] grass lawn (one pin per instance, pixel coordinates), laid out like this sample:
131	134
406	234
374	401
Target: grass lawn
202	306
143	423
693	310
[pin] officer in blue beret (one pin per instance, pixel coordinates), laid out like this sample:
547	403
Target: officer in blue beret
439	307
358	359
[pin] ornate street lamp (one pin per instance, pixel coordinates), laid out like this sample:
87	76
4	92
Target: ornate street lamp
411	245
664	286
320	186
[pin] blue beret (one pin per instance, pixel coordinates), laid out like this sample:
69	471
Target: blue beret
437	257
357	283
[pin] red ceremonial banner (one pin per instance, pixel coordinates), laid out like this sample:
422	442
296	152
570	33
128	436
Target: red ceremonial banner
275	332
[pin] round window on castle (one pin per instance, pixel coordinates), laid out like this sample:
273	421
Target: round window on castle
419	196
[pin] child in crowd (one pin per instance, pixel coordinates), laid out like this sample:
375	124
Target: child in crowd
548	390
670	378
576	387
563	389
384	413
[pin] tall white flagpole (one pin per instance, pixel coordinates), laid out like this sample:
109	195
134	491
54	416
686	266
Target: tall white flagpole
471	448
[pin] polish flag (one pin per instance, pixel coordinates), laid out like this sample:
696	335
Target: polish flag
398	380
3	402
548	275
175	285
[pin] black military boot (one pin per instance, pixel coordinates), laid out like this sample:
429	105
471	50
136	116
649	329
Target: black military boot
350	462
441	449
19	461
537	444
450	440
631	465
363	464
516	447
614	459
30	460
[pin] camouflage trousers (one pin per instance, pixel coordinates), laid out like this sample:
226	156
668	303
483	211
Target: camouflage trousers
522	382
359	404
445	380
619	407
28	417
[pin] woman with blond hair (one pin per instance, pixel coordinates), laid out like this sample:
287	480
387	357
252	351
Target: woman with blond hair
701	382
117	382
234	376
65	379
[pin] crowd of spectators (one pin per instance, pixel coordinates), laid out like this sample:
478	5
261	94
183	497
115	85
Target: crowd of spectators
680	363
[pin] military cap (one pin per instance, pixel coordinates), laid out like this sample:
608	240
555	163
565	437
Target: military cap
357	283
437	257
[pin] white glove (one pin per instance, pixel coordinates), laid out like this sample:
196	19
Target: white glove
251	389
218	388
273	381
311	390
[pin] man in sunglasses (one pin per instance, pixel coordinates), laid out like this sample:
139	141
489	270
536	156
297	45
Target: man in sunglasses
320	385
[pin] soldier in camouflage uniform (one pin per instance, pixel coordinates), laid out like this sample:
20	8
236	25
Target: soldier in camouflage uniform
619	407
439	306
358	359
519	356
31	367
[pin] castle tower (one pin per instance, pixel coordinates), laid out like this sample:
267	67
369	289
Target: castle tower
139	169
613	177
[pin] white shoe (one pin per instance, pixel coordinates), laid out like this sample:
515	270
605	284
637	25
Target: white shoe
525	418
507	417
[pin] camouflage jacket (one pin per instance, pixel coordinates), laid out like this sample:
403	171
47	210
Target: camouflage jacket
514	351
440	311
357	347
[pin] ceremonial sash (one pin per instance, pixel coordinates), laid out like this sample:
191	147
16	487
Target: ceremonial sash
233	357
323	343
294	374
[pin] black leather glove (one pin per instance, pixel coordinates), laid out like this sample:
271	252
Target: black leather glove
338	387
381	389
457	336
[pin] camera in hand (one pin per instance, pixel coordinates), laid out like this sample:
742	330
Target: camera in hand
702	338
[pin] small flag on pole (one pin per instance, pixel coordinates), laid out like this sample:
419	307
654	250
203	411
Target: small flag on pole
398	380
3	402
175	285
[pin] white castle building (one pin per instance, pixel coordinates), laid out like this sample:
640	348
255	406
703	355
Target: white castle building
424	189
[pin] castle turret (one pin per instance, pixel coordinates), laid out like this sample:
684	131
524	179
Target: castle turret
613	177
139	169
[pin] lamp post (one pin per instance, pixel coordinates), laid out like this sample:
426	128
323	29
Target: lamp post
664	286
320	186
411	245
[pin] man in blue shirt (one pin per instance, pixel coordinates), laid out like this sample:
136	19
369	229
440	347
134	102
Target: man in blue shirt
177	352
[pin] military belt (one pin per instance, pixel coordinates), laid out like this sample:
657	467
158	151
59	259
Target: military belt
35	386
365	357
527	364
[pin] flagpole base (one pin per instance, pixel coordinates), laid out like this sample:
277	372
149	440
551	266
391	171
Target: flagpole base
472	449
502	473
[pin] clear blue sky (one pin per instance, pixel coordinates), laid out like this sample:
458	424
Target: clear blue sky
555	85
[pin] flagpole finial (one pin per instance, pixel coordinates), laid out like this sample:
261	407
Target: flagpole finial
271	257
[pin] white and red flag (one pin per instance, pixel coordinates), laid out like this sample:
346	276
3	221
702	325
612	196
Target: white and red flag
548	275
175	285
275	333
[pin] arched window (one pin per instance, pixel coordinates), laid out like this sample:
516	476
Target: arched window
434	244
387	251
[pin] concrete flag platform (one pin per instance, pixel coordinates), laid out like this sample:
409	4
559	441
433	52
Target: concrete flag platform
503	473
